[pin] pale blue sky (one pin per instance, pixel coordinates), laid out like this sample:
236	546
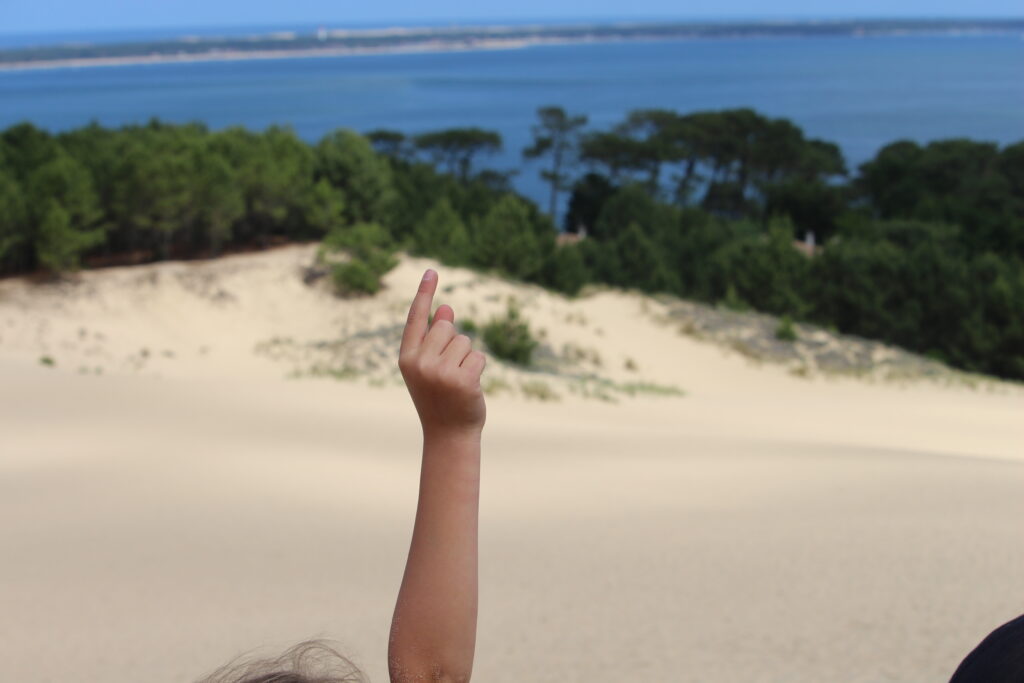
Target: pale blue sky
21	16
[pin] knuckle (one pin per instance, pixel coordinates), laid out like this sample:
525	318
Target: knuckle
449	376
423	366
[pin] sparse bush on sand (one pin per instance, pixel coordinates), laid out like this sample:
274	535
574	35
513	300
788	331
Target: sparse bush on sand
539	390
509	337
495	385
355	277
371	256
733	302
786	331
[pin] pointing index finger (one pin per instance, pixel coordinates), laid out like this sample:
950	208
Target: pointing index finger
419	312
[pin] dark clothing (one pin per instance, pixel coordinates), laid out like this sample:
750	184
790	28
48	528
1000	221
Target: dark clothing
997	659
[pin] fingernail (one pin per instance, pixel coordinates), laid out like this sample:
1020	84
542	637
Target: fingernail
429	275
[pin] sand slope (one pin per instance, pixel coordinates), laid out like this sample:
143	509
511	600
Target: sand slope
170	498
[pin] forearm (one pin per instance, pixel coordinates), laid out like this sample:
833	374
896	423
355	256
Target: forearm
433	633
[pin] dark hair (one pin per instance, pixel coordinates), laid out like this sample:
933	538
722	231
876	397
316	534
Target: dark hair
312	661
997	659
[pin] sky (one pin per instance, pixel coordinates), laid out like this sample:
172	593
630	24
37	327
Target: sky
61	16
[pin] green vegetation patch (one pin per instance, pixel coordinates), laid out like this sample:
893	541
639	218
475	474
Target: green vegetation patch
370	256
539	390
508	337
785	331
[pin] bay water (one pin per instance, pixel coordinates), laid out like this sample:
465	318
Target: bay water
861	93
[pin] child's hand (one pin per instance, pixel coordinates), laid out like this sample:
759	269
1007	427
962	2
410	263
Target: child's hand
441	369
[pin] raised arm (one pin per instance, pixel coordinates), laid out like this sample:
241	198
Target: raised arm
433	632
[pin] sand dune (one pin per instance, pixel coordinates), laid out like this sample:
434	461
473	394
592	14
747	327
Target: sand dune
190	479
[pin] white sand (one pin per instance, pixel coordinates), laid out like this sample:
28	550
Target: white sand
190	503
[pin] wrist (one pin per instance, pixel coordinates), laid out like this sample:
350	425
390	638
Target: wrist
451	460
453	436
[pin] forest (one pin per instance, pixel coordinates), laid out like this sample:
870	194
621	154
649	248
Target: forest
921	246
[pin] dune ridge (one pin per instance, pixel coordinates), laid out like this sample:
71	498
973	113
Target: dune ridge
181	485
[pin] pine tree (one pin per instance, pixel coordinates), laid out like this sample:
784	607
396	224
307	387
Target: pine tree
506	240
58	244
567	272
442	235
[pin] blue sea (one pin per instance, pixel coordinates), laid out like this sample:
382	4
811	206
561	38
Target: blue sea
859	92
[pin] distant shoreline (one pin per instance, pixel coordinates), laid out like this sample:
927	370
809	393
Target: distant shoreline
247	55
342	43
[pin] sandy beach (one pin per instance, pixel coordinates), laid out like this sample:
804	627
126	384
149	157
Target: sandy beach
201	459
227	55
289	44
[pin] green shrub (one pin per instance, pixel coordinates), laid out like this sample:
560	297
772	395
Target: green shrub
566	270
47	361
785	331
509	337
442	234
360	240
732	300
371	255
512	239
355	277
